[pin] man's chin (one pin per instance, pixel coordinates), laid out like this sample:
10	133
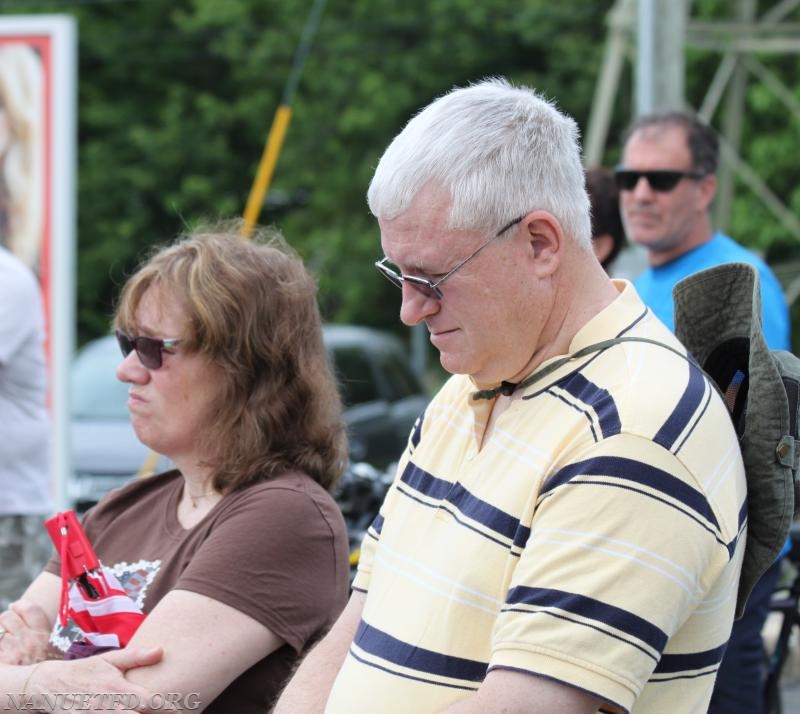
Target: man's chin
645	240
453	363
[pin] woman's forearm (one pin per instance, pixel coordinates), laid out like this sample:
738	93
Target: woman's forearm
94	680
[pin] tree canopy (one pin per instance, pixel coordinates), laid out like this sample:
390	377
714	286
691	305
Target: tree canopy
176	99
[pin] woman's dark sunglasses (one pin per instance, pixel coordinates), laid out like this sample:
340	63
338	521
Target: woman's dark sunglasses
148	349
662	181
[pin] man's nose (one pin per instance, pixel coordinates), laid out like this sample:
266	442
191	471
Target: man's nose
416	305
642	188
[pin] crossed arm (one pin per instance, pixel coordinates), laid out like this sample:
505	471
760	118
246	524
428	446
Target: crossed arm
101	675
181	625
231	643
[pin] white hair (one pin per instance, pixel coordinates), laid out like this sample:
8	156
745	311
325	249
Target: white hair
500	151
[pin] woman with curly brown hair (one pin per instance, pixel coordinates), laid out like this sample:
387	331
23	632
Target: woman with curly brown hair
238	557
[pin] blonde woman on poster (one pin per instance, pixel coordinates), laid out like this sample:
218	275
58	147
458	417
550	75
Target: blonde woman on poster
21	179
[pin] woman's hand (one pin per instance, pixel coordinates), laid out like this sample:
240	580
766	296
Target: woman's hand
26	634
101	676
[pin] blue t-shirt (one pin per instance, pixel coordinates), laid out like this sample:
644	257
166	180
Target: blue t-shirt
655	286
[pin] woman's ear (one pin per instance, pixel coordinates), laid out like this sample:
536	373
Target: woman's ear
603	245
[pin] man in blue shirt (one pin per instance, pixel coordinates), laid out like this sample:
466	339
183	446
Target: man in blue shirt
667	183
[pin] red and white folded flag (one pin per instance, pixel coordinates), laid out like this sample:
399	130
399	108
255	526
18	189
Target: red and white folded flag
91	595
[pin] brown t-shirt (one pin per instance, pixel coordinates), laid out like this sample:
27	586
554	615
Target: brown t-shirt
276	551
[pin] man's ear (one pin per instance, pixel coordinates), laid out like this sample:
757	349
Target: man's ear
546	241
708	189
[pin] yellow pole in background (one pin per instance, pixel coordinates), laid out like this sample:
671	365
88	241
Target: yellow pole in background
269	158
280	124
266	168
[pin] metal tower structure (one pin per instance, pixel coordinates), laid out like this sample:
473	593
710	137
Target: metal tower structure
653	37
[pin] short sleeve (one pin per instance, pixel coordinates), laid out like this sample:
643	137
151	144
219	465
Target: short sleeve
581	607
279	557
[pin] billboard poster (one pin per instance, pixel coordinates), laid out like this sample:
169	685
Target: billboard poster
37	190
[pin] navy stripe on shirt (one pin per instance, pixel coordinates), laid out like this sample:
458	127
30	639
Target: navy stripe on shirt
599	399
403	654
685	410
456	499
617	467
590	609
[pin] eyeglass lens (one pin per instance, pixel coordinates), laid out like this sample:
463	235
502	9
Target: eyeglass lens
421	284
428	288
147	349
662	181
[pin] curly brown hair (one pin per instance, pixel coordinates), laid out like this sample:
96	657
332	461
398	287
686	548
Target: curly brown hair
250	306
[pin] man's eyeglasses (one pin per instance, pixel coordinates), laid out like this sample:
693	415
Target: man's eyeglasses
662	181
148	349
427	287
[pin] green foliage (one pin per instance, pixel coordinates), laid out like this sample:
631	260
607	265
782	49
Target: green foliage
769	130
176	98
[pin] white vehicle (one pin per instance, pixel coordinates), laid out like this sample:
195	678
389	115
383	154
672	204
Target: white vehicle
383	399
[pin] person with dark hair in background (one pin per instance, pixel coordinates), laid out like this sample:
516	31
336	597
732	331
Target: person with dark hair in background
667	183
531	554
239	556
608	233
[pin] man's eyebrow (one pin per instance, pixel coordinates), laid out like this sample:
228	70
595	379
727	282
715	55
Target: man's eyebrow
415	268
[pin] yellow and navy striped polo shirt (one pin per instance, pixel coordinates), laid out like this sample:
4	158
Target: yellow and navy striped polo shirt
594	537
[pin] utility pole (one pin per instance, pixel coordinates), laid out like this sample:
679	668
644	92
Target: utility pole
620	20
660	66
731	122
662	30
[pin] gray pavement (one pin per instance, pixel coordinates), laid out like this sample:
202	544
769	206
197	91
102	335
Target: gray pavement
791	697
790	679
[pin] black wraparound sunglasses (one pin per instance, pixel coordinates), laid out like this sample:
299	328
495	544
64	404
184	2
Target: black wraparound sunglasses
660	180
427	287
149	350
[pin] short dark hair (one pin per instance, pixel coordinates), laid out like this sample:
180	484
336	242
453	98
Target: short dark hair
702	139
604	200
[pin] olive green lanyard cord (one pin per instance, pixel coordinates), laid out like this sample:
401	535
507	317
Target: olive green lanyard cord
507	388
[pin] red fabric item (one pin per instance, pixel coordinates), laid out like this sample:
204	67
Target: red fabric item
99	605
90	593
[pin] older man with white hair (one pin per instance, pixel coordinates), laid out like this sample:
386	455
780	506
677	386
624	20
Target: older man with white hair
563	533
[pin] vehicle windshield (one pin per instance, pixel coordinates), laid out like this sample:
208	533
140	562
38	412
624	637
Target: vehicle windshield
96	392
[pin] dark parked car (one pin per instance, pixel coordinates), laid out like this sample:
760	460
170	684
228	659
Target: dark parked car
383	398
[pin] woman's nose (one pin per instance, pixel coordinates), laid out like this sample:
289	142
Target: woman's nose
131	369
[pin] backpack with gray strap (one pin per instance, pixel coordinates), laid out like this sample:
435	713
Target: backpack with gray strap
718	319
